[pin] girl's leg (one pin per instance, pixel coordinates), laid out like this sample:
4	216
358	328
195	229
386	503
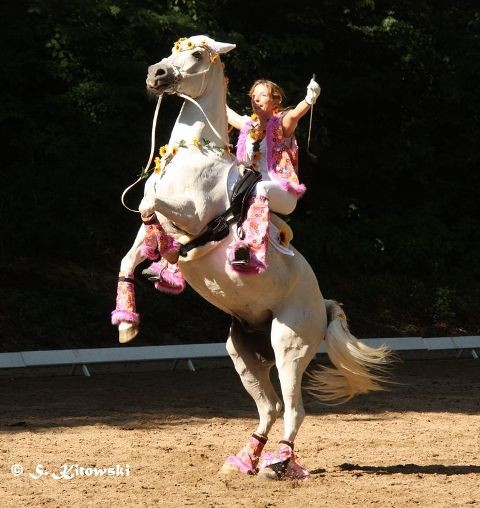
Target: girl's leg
279	199
249	255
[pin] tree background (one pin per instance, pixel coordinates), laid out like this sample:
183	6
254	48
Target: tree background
389	222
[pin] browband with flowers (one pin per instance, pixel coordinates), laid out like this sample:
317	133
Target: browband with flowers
185	44
202	41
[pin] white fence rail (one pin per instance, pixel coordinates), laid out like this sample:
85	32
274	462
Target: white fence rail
190	352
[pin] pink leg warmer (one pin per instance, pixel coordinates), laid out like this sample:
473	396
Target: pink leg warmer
125	305
156	242
170	279
255	228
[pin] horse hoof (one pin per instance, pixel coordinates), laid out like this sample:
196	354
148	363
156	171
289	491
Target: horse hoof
276	471
269	475
151	275
227	470
230	470
127	332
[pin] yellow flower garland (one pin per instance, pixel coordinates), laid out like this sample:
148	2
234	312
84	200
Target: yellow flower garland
168	152
257	135
185	44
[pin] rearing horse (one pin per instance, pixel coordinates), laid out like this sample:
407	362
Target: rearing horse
279	317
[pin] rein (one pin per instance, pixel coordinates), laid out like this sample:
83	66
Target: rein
312	155
183	76
219	227
219	136
152	149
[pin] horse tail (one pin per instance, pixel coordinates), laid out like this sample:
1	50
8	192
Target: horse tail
358	368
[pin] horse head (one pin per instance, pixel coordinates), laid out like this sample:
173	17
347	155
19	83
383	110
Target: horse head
185	70
197	161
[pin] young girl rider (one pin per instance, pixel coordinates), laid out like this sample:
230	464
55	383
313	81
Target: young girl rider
267	144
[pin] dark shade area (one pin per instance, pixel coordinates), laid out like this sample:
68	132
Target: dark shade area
389	222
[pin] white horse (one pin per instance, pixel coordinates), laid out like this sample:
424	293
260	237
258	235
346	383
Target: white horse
279	317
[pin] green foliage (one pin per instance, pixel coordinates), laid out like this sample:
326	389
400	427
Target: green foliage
443	304
389	216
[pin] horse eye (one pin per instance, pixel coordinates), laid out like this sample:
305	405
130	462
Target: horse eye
197	55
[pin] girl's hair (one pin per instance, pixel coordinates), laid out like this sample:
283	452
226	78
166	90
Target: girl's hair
275	91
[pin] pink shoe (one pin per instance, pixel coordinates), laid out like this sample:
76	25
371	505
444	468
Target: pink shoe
282	464
246	460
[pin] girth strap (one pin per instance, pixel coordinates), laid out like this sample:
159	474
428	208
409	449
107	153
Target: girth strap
218	228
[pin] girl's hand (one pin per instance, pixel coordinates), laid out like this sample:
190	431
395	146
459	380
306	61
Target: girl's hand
313	92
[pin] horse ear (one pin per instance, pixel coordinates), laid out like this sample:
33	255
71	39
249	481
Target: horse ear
217	47
224	47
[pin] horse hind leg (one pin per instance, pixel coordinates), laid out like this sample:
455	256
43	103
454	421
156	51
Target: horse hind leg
294	350
255	376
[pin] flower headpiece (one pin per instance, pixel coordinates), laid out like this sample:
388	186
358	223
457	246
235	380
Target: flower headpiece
202	41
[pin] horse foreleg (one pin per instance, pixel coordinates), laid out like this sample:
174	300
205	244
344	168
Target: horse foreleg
125	315
255	377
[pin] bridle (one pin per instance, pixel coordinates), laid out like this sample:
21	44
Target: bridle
179	77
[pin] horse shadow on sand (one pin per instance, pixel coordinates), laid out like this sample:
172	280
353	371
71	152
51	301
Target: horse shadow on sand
411	469
155	399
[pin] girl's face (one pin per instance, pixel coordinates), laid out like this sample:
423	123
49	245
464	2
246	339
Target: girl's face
263	103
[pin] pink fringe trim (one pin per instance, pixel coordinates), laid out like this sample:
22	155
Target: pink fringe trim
299	190
242	138
172	281
125	316
172	286
149	252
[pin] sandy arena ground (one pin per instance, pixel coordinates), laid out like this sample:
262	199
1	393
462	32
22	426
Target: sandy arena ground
417	445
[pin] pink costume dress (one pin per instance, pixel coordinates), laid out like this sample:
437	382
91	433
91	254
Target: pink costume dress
277	161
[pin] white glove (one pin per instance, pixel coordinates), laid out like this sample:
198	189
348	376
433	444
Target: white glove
313	92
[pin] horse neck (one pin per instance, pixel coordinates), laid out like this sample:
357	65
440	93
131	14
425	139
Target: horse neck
213	102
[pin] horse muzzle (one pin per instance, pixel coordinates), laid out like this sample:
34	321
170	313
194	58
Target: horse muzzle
161	77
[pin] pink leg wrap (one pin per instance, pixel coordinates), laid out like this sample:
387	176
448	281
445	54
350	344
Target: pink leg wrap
156	242
284	462
246	460
255	228
125	305
170	277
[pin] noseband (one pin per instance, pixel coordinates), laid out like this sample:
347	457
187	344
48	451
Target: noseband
180	76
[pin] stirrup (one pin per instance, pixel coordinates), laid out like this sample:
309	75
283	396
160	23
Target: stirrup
241	256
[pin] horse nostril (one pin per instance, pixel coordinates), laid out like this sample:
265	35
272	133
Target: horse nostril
160	72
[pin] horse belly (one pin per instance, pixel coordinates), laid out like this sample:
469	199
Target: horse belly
252	298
